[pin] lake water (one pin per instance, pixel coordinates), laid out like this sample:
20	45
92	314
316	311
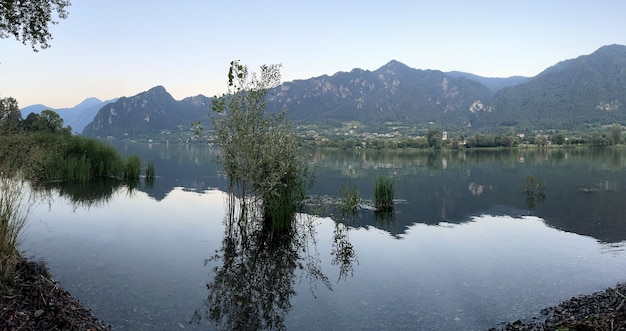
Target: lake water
467	246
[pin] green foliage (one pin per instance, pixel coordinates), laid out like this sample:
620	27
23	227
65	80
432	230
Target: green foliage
616	134
260	153
14	209
10	115
28	20
383	193
150	173
350	197
535	191
132	170
45	156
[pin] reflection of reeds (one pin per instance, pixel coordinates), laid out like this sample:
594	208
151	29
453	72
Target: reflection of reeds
383	193
14	209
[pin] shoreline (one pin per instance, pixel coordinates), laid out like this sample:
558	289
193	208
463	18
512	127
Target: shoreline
36	301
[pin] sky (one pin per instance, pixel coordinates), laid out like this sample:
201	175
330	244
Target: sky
113	48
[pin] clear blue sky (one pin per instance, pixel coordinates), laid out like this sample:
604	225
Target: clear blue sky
114	48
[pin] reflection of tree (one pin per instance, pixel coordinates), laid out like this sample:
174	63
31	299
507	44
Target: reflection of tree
343	252
254	282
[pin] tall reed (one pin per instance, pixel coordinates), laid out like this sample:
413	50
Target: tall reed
133	168
350	198
383	193
150	173
14	209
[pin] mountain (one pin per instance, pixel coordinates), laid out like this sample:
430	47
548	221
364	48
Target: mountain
493	83
77	117
590	89
393	92
149	113
585	90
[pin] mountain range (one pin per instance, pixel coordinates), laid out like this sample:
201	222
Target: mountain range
76	117
587	90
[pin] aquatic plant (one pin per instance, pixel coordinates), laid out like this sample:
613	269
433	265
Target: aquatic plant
150	173
14	209
383	193
349	198
133	168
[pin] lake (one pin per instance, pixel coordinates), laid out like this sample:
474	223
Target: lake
476	238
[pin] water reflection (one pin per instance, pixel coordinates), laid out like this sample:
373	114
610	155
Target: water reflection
255	270
94	193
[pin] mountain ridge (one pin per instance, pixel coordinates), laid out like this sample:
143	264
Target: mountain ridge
572	93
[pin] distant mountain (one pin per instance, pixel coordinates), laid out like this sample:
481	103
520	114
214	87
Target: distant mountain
588	89
394	92
493	83
77	117
572	93
149	113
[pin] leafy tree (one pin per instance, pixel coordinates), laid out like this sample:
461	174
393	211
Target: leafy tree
10	115
616	134
260	152
434	138
558	139
28	20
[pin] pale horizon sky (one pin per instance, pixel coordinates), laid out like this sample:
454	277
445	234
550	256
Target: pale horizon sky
115	48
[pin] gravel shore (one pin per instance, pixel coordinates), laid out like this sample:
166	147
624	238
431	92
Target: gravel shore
602	311
36	302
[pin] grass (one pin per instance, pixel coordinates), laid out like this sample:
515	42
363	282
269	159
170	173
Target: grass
150	173
14	210
350	198
133	168
383	193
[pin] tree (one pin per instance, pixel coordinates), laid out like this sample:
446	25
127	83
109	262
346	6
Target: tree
558	139
10	115
616	134
260	152
28	20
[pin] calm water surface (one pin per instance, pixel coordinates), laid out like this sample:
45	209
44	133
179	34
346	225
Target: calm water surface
467	246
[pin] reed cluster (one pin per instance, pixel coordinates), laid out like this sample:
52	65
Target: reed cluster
350	198
15	206
383	193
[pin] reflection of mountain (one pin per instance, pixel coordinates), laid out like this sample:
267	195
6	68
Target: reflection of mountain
191	166
434	187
